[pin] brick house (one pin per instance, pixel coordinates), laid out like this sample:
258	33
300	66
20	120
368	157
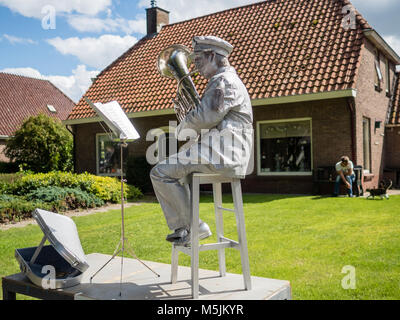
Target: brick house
392	137
320	88
22	97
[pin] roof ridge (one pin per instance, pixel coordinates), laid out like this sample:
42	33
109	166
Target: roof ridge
23	76
43	79
363	22
62	92
217	12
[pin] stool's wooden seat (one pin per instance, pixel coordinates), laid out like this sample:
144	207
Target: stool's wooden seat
222	242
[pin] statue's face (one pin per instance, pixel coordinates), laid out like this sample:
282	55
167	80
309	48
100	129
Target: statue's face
205	64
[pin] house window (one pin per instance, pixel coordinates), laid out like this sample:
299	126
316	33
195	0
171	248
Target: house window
284	147
108	156
378	72
367	144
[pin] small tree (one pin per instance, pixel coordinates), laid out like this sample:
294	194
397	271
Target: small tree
42	144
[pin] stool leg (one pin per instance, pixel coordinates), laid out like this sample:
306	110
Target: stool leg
244	255
219	221
174	264
194	234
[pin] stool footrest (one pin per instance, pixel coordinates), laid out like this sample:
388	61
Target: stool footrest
226	243
226	209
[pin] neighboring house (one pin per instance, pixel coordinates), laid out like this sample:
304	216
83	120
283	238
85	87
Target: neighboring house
22	97
392	136
319	89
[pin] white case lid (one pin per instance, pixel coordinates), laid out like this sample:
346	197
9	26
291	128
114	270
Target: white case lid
62	233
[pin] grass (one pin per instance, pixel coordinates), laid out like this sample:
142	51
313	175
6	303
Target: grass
304	239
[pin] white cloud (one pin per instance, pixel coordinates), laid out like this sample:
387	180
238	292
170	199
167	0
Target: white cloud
394	42
84	23
74	86
94	52
15	40
33	8
183	10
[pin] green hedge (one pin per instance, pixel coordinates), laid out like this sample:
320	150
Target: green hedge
65	198
21	193
106	188
14	208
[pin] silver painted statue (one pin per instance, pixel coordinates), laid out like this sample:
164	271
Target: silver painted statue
222	124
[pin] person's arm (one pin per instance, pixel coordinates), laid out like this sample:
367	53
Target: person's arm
211	111
340	173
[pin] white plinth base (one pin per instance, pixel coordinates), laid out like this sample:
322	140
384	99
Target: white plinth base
139	283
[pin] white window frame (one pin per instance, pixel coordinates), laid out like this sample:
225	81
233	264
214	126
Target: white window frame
282	173
97	159
387	73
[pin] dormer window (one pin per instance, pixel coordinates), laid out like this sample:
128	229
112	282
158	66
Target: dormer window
378	72
51	108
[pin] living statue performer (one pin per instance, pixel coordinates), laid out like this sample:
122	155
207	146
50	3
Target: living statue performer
225	110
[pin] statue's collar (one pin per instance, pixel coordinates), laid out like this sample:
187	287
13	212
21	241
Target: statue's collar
224	69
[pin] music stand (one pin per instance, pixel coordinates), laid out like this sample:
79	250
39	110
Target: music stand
115	118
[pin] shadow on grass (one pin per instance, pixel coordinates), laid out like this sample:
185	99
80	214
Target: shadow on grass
207	197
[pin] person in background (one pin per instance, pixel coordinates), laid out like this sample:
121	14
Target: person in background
345	174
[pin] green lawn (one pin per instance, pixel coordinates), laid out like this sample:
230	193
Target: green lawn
306	240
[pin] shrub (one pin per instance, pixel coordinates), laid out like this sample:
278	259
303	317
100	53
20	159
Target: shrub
8	167
106	188
133	193
65	198
41	144
138	173
13	208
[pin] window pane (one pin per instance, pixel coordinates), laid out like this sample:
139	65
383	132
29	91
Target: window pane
285	147
109	156
367	144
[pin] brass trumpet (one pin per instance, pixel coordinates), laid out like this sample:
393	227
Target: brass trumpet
174	62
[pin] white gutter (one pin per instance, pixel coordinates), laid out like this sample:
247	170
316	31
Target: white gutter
130	115
256	102
4	137
381	44
305	97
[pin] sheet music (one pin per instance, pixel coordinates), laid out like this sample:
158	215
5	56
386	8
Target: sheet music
113	115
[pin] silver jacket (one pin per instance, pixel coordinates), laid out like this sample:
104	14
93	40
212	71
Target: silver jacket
223	124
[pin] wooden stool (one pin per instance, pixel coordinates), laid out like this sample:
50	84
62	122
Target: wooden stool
216	180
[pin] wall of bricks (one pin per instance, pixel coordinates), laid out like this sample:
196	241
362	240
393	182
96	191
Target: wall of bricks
392	149
373	105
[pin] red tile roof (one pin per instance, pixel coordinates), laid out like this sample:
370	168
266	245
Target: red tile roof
21	97
281	48
394	116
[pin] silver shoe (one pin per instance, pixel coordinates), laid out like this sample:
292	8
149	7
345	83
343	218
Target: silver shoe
204	232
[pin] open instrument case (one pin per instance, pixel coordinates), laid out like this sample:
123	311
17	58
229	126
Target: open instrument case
64	254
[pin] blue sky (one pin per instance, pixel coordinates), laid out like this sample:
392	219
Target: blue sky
90	34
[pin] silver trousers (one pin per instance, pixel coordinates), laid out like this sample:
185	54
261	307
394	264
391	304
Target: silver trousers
172	189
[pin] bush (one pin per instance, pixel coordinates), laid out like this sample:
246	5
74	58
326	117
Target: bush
14	208
8	167
133	193
106	188
65	198
41	144
138	173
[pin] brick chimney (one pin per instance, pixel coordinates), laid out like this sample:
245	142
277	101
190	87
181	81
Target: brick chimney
156	18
